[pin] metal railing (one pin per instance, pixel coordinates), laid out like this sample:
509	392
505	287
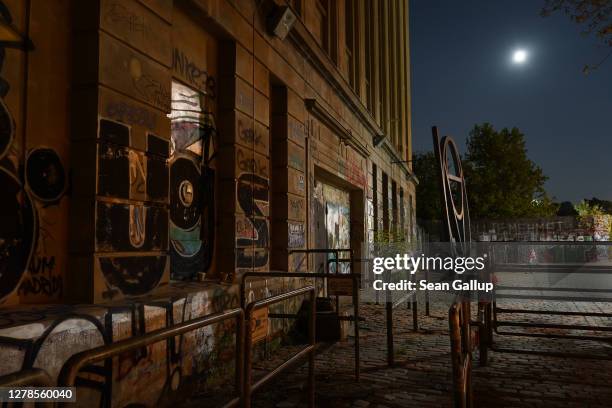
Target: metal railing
390	305
29	377
249	387
355	295
71	368
335	251
578	294
355	289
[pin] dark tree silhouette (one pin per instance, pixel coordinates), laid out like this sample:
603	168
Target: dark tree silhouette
605	205
502	182
566	209
427	191
593	15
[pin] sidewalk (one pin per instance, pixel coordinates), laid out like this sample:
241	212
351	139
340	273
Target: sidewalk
421	377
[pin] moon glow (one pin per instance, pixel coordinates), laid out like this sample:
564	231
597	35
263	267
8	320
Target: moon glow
519	56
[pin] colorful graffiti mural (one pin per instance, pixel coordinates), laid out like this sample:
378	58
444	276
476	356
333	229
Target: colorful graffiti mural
333	221
191	183
33	182
46	336
253	198
130	226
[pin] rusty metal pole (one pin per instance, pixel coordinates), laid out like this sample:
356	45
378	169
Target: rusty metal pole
454	327
356	314
415	316
337	273
390	351
28	377
248	339
427	294
311	357
240	356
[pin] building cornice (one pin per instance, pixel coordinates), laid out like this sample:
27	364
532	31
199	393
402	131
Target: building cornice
308	47
331	122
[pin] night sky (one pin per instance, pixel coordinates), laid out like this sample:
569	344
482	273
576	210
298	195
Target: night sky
462	74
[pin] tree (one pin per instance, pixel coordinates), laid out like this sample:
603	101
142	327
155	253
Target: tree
566	209
593	15
604	205
424	166
502	182
585	208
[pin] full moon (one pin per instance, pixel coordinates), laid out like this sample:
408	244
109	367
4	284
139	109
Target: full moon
519	56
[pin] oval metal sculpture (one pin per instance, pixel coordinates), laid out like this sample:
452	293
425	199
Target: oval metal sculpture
453	193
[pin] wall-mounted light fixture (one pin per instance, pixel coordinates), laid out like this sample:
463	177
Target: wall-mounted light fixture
378	139
281	21
10	37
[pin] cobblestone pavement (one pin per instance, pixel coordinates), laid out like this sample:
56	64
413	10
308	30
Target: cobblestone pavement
422	375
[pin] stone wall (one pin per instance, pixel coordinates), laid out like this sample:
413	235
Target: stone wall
147	146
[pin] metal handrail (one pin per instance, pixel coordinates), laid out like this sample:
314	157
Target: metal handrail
30	377
27	377
248	387
71	368
355	295
545	293
336	252
389	307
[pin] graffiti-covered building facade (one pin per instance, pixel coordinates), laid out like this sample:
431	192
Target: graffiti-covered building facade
152	151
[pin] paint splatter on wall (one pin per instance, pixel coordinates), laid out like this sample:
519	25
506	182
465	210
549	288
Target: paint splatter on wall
191	183
335	231
33	175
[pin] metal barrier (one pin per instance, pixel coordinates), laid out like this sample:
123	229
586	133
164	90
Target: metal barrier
466	336
389	307
71	368
461	353
335	251
355	295
30	377
572	294
355	289
248	387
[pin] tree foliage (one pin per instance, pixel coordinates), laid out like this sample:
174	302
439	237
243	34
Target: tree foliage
566	209
604	205
427	191
502	181
586	208
594	16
